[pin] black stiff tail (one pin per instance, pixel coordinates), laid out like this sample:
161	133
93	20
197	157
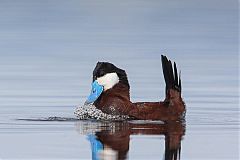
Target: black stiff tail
173	81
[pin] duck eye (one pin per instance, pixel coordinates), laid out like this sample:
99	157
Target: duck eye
101	73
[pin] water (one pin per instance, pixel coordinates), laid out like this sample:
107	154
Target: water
48	50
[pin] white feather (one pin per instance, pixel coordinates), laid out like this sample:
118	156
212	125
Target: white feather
108	80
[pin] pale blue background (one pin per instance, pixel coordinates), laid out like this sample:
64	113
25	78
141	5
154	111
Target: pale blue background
48	49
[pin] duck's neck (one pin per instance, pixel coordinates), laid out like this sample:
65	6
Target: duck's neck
119	90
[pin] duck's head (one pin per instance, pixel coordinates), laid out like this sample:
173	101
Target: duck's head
105	76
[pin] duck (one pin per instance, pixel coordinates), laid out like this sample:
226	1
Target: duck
110	93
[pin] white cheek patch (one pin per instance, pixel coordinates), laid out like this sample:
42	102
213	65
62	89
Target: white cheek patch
108	80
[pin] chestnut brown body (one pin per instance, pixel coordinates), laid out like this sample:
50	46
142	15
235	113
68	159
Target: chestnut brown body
116	101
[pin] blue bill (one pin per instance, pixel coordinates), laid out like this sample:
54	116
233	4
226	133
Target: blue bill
95	92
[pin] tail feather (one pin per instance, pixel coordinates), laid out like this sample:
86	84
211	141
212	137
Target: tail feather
165	71
170	73
180	83
172	80
175	74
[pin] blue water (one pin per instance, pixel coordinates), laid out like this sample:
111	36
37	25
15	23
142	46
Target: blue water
48	50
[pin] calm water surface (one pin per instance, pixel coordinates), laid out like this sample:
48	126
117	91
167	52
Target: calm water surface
48	50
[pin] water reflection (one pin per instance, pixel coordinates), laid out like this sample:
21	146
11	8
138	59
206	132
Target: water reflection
110	140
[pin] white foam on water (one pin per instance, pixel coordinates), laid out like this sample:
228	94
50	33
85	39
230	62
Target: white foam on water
89	111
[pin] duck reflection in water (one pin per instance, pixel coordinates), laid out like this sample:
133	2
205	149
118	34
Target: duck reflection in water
110	140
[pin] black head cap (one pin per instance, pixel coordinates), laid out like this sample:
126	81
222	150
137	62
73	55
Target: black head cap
103	68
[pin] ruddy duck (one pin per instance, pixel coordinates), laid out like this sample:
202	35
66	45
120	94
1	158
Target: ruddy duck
110	94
